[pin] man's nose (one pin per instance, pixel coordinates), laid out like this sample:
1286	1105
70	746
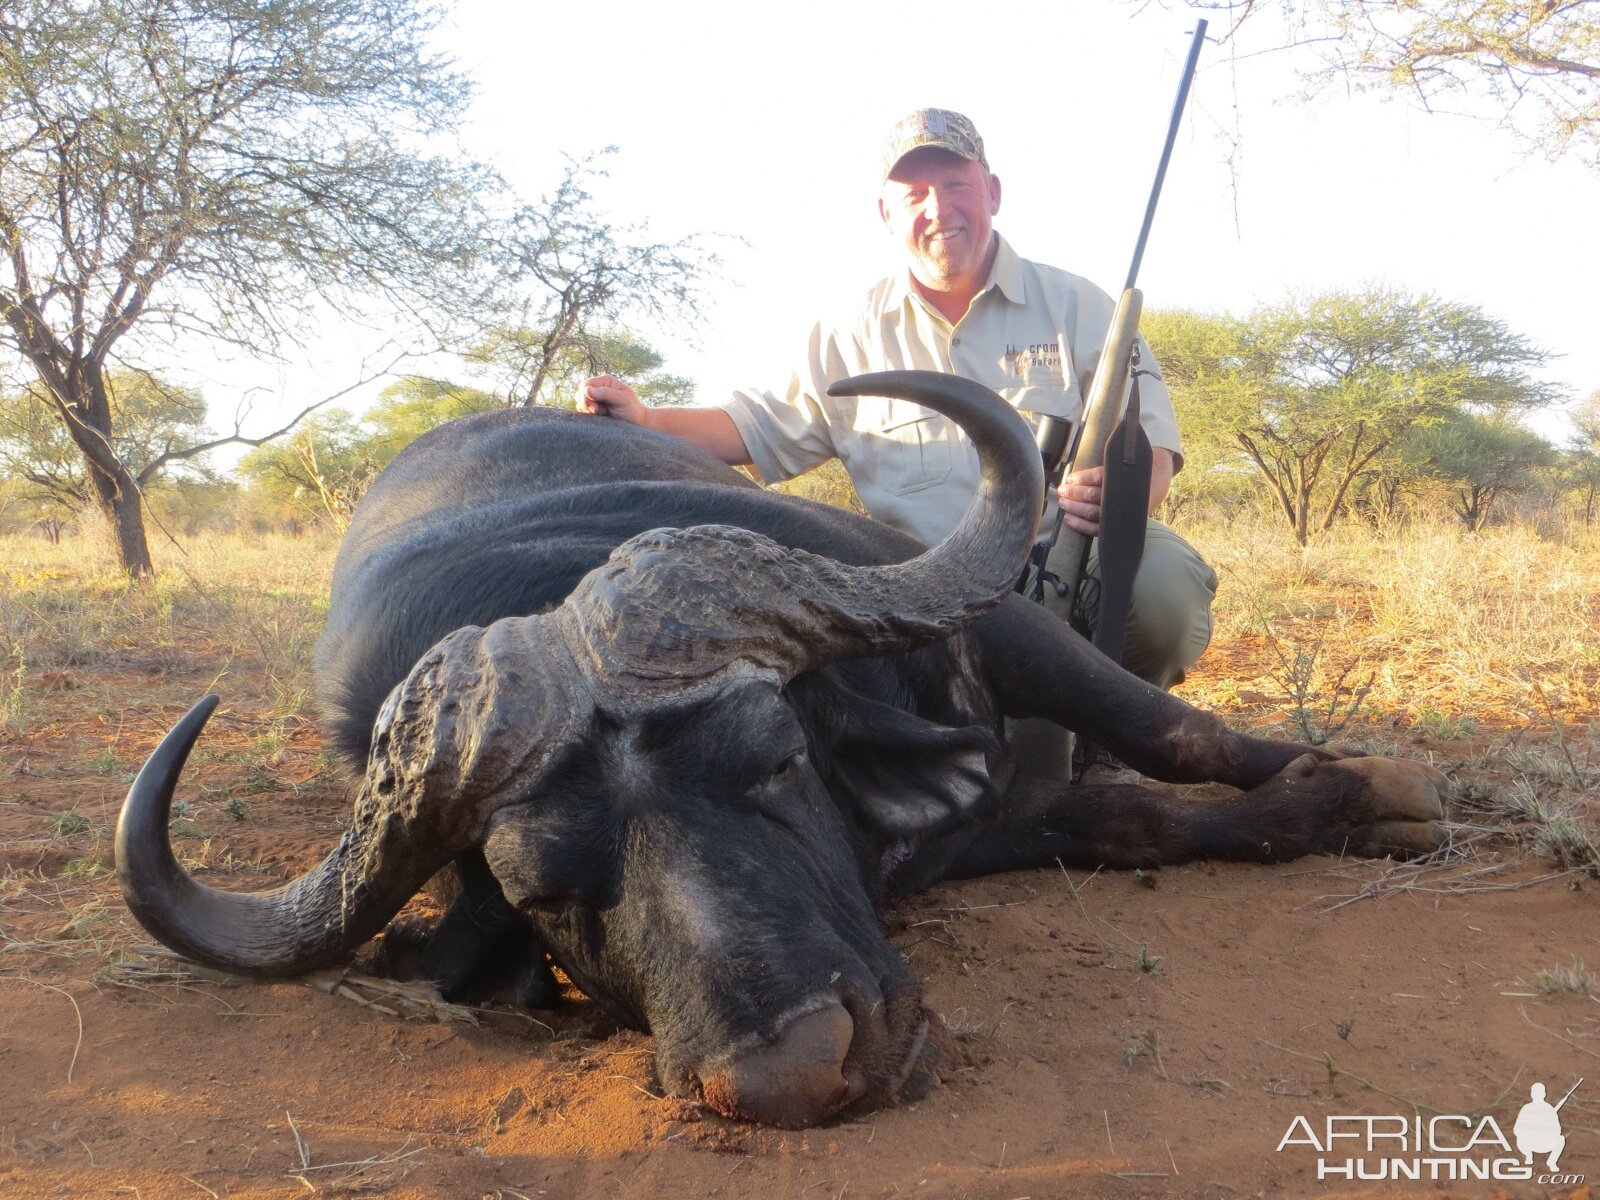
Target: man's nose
936	205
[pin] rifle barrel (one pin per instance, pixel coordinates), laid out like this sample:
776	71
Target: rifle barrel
1568	1096
1166	151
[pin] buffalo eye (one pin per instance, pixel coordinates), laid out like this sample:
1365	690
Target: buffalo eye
783	767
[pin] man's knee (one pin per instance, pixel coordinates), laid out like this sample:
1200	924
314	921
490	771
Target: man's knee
1169	626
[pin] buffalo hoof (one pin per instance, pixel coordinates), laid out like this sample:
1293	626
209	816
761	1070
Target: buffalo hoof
1380	807
1407	805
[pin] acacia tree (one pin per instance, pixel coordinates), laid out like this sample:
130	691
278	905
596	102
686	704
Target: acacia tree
149	418
1481	458
1201	356
1581	460
1313	392
326	465
214	167
321	470
410	407
1538	63
536	368
584	282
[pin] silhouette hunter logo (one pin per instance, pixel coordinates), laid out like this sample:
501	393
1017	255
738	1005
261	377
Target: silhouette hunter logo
1538	1127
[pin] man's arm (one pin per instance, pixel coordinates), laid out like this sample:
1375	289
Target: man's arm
1082	492
711	429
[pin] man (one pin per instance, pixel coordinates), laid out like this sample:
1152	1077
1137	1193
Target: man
969	305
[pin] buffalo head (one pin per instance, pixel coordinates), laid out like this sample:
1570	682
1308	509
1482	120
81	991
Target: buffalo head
692	816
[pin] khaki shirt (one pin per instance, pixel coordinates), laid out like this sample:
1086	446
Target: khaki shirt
1033	335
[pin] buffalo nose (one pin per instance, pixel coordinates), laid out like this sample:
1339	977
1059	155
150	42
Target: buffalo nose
796	1080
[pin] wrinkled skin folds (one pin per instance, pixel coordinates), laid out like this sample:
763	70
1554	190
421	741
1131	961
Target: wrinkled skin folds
683	738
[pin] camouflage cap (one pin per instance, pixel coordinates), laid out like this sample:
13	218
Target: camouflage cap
933	127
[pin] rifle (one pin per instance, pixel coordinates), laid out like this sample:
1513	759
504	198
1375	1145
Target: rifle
1126	495
1568	1096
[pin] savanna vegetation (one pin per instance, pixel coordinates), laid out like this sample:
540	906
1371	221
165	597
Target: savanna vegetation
1375	407
226	176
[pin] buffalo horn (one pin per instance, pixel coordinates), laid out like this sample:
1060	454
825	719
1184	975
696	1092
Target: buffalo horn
674	605
470	729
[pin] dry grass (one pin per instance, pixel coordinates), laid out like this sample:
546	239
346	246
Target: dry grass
1479	652
67	616
1576	978
1501	628
93	669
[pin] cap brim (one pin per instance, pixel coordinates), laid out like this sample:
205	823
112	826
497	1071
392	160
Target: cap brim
888	170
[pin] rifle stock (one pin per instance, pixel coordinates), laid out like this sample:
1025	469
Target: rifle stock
1101	412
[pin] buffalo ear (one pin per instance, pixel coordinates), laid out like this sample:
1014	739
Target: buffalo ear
909	778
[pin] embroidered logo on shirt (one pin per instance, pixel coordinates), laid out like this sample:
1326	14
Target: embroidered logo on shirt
1019	360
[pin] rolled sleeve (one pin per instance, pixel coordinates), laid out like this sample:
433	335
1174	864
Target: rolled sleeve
788	435
1156	415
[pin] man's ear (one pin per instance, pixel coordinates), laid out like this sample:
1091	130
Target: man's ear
994	195
883	211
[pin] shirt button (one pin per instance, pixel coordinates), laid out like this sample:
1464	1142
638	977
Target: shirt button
955	341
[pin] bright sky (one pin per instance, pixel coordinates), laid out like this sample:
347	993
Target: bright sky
764	123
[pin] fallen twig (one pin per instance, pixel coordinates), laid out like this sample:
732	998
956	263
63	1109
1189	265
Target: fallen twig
1557	1036
412	1000
1405	878
50	987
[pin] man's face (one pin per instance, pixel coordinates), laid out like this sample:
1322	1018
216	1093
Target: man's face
940	207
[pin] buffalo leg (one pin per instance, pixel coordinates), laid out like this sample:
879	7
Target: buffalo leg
1362	806
1039	667
483	947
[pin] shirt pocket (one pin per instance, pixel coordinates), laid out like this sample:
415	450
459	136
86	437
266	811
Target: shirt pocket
910	449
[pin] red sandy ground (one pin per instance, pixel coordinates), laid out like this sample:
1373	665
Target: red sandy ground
1107	1035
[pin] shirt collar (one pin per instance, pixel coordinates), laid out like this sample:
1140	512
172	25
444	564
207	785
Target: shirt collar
1005	274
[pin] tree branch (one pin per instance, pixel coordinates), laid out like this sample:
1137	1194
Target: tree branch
238	439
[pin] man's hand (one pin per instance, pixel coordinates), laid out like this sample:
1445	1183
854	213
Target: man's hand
608	396
709	428
1083	492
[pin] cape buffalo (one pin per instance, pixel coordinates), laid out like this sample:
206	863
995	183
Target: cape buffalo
684	736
